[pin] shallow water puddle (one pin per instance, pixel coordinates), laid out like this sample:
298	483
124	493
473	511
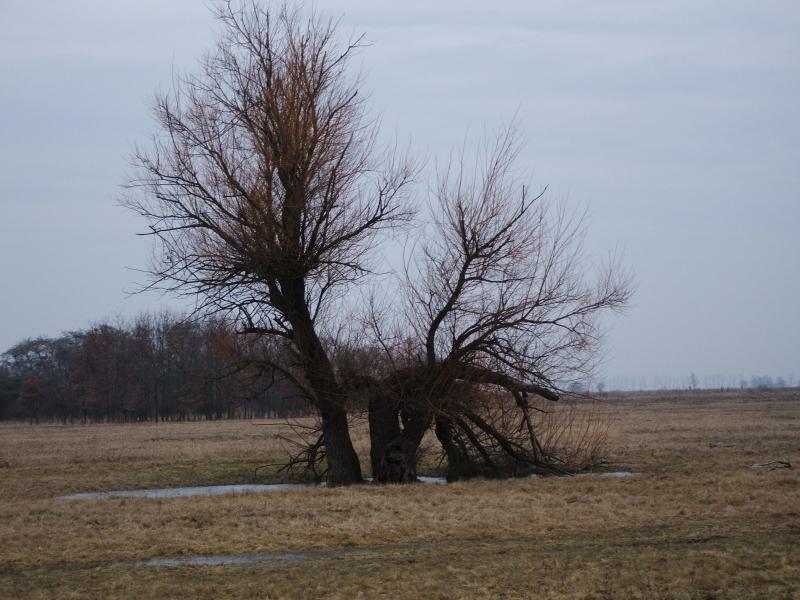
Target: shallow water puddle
610	474
215	490
217	561
222	560
432	480
207	490
211	490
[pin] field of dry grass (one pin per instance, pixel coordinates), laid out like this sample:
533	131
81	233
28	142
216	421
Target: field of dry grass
697	522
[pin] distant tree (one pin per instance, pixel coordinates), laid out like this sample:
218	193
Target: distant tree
762	382
9	391
693	381
577	387
42	366
31	397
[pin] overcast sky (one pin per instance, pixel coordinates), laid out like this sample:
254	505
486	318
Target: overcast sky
677	123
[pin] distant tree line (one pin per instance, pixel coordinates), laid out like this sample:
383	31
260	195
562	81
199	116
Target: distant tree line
693	381
153	368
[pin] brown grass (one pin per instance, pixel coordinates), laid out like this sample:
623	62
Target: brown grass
698	522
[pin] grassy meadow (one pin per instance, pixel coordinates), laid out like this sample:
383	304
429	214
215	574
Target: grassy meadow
698	522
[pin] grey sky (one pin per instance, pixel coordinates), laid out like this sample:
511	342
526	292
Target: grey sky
677	123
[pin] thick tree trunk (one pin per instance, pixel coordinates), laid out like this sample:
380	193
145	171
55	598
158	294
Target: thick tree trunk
344	467
398	462
343	464
384	428
394	451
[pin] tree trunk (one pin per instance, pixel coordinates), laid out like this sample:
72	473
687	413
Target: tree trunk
459	463
343	465
384	428
394	452
398	462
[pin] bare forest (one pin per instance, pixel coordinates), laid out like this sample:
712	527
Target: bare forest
154	368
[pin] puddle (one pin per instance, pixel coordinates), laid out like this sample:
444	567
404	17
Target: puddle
251	559
614	474
217	561
255	488
436	480
208	490
211	490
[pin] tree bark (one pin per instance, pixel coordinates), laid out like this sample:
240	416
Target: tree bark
394	451
343	464
344	467
384	428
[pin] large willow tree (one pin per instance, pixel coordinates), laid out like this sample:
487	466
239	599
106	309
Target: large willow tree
268	196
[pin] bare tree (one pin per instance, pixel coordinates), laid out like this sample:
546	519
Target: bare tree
265	191
498	310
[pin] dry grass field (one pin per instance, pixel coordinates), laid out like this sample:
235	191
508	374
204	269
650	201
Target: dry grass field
698	522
